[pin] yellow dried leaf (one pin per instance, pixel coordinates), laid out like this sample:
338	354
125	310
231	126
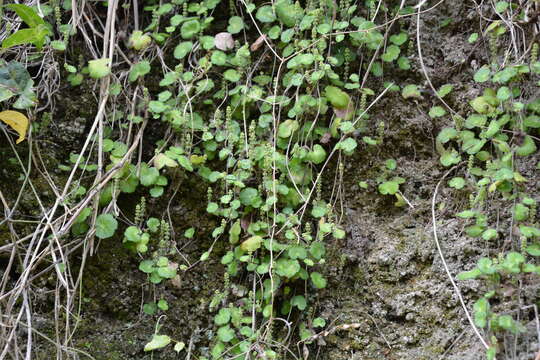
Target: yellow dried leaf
493	186
18	121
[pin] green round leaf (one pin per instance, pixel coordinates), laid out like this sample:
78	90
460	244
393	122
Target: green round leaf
299	301
437	111
231	75
190	28
399	38
99	68
147	266
182	49
391	53
223	316
457	183
251	244
389	188
139	69
482	75
149	175
338	98
318	280
297	252
218	58
236	24
265	14
106	225
225	333
287	267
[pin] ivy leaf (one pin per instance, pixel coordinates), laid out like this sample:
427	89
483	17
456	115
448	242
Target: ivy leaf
157	342
156	191
324	28
185	162
17	121
437	111
504	93
249	196
450	158
389	188
527	148
147	266
139	41
150	308
482	75
140	69
297	252
521	212
481	105
166	272
223	316
149	175
481	310
338	233
317	250
182	49
232	75
234	232
505	75
163	305
265	14
190	28
106	225
317	155
337	97
132	233
529	231
319	210
318	280
162	160
286	36
411	91
251	244
457	183
492	129
404	63
287	12
225	333
287	127
319	322
218	58
533	249
399	39
445	90
236	24
475	120
287	267
489	234
189	232
391	54
99	68
446	135
153	224
472	39
299	301
348	145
